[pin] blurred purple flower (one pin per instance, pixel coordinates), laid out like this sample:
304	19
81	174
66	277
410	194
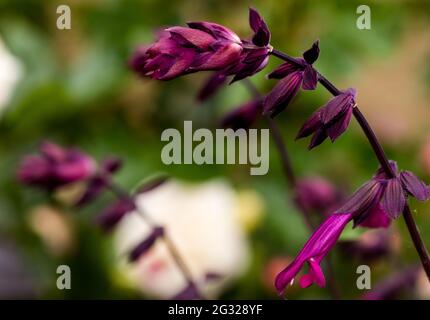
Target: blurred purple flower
330	120
317	194
293	76
113	214
98	182
243	116
55	167
204	46
146	244
190	292
394	284
313	252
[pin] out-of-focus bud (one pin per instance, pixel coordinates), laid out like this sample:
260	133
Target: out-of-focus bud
54	167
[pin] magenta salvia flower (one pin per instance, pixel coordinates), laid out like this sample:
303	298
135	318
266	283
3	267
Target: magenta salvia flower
54	167
330	120
293	76
313	252
243	116
204	46
146	244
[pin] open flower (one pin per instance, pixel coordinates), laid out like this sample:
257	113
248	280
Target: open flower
330	120
204	46
372	205
54	167
313	252
293	76
383	198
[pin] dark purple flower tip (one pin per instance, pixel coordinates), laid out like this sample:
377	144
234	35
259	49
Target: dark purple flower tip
94	188
252	61
331	120
191	292
310	126
313	252
113	214
242	117
285	69
151	184
361	203
111	165
310	78
282	94
316	194
213	84
394	199
261	36
414	186
146	244
312	54
319	137
338	106
55	167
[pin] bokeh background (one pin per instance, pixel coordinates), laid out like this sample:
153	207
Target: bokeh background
74	87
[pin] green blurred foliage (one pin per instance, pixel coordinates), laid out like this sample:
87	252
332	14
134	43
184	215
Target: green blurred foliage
77	90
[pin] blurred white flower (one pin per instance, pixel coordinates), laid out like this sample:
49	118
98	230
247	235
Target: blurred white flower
201	220
11	72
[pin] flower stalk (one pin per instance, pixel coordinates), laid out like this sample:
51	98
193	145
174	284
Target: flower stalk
382	159
291	180
174	252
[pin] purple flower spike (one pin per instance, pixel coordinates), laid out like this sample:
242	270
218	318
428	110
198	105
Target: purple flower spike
183	50
293	76
110	217
331	120
313	252
146	244
55	167
261	37
414	186
243	116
